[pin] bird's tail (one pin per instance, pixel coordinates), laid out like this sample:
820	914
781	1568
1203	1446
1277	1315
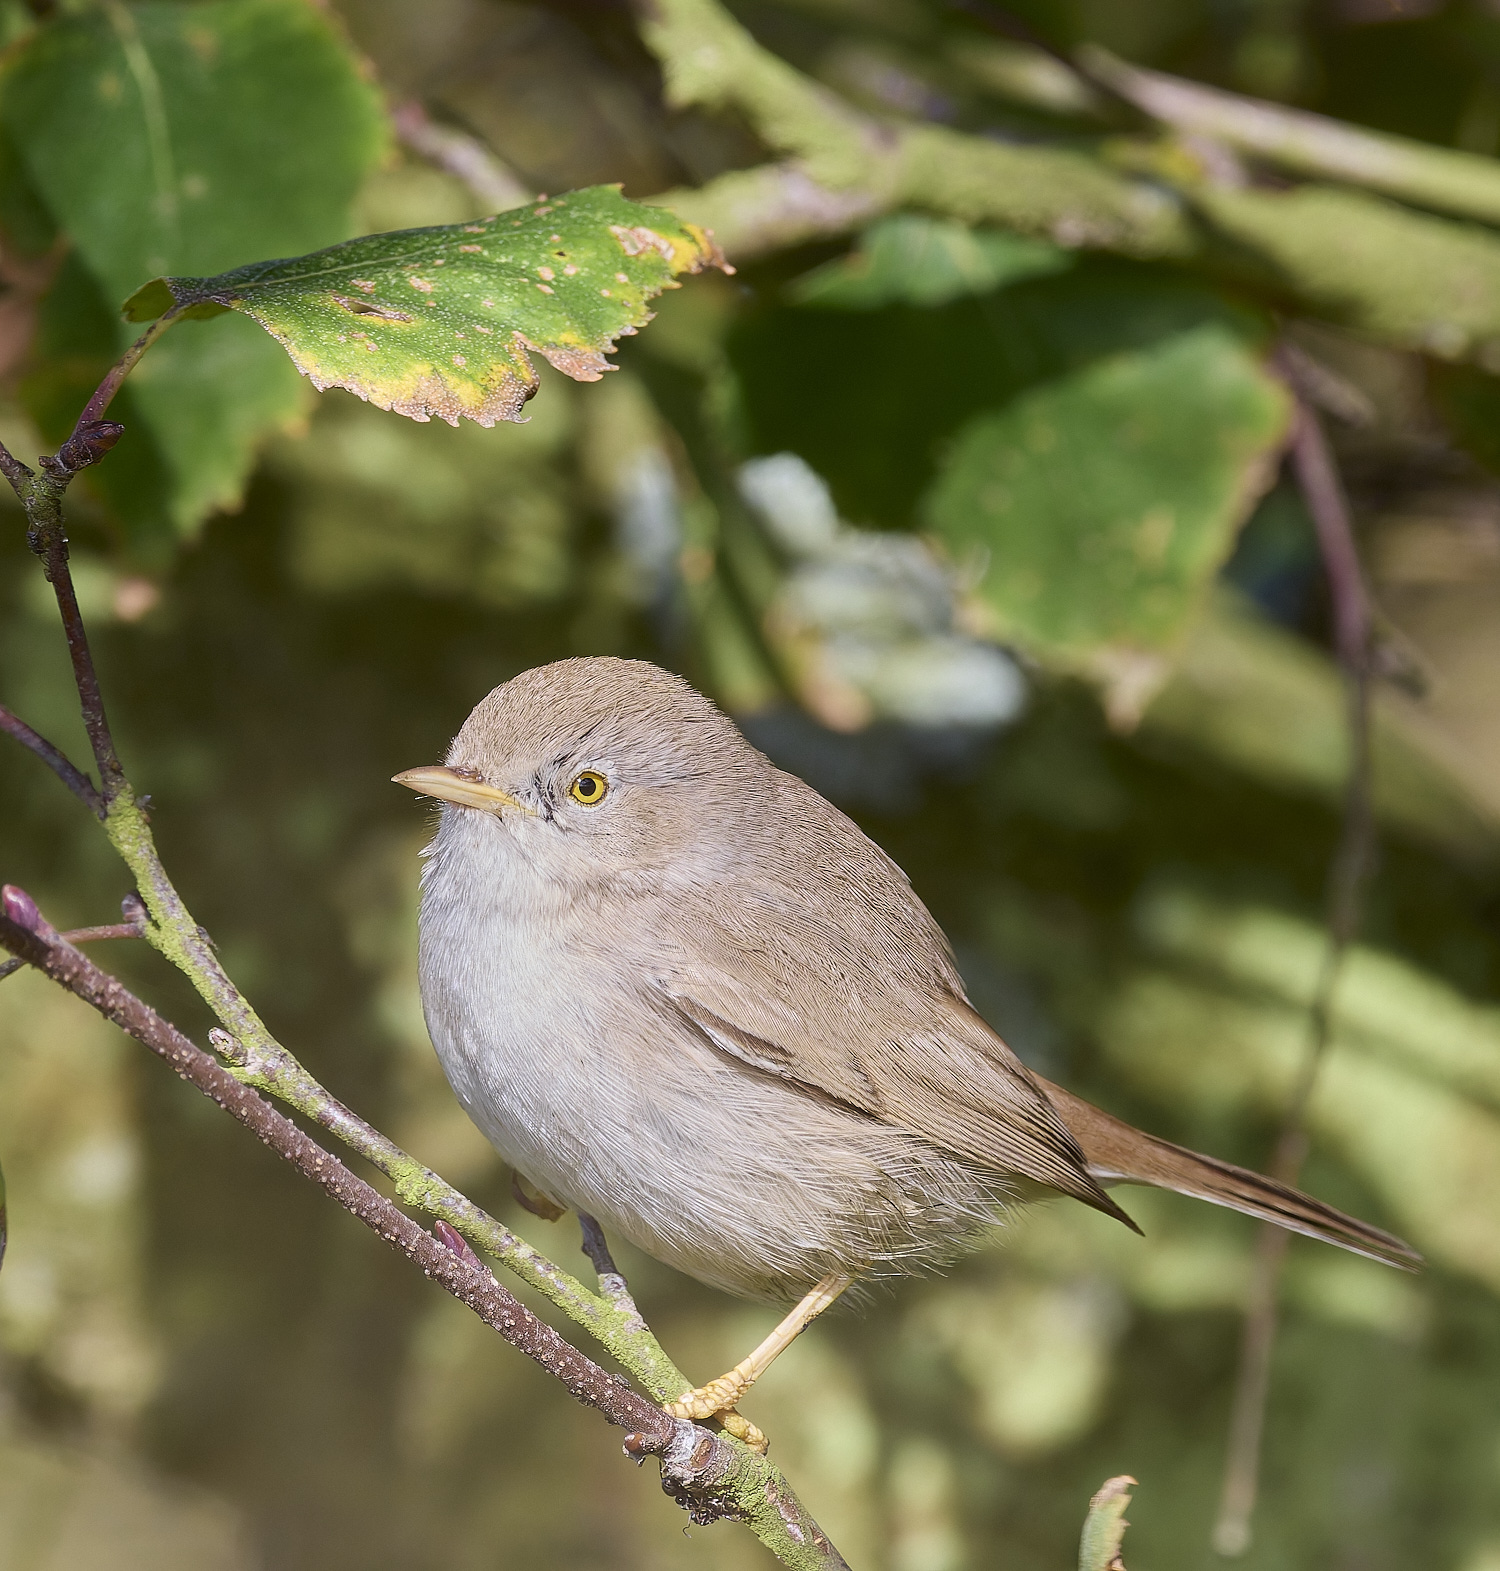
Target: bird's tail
1118	1153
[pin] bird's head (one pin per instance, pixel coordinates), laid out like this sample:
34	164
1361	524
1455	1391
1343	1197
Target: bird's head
597	768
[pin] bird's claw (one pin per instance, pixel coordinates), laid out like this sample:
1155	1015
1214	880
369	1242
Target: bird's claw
716	1400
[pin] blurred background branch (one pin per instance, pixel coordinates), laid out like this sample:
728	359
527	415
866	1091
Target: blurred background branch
1313	464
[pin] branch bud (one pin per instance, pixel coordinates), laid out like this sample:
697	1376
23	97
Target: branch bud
451	1238
227	1047
87	445
21	908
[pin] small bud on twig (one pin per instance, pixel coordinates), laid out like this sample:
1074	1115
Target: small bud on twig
450	1238
227	1047
87	445
20	908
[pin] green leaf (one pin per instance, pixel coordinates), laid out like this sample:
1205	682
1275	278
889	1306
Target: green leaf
442	321
1107	499
1104	1530
913	260
819	383
184	138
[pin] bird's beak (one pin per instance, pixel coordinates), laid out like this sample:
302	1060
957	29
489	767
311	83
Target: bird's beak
451	786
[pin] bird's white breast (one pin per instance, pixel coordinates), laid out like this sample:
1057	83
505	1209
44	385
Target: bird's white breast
586	1080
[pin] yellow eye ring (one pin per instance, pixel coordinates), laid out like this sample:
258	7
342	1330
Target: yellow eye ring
589	788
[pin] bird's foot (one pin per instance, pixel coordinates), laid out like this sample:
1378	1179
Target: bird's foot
534	1200
716	1400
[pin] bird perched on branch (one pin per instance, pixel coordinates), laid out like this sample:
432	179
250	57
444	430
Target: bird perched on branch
682	993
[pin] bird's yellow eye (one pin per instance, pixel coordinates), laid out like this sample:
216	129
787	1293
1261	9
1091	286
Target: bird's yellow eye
589	788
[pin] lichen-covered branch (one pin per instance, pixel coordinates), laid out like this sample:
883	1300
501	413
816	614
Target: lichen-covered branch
268	1066
710	1476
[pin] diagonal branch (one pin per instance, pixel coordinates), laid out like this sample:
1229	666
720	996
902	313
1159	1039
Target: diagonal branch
614	1323
493	184
712	1478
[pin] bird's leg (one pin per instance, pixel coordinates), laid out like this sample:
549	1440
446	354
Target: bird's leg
718	1397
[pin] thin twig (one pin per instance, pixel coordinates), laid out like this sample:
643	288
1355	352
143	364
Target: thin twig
82	935
51	545
92	935
1317	474
54	758
104	394
14	470
711	1478
494	186
41	494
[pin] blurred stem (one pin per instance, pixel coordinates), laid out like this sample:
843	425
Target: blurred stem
1344	252
1104	1527
1307	144
495	186
1317	475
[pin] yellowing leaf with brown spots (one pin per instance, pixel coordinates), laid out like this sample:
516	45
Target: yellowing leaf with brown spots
444	321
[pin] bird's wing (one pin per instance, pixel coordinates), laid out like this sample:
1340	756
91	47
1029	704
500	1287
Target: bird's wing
866	1009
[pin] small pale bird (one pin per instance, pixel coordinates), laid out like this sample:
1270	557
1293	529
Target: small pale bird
682	993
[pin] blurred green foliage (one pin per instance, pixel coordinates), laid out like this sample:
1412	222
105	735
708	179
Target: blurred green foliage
214	132
202	1365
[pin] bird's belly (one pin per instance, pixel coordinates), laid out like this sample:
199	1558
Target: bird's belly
612	1103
